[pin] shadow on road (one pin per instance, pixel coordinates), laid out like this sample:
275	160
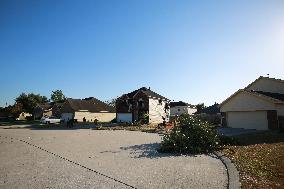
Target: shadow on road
150	151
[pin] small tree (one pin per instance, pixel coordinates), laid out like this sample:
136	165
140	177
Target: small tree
58	96
111	102
190	135
200	107
16	109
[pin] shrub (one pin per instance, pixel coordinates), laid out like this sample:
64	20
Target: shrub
190	135
226	140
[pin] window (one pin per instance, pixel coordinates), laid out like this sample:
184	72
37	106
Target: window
140	103
178	110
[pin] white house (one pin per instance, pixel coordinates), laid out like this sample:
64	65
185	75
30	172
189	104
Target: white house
142	105
178	108
258	106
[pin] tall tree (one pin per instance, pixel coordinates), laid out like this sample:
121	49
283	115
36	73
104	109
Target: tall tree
16	109
29	101
58	96
200	107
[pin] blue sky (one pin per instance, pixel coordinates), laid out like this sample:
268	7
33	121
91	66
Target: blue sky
195	51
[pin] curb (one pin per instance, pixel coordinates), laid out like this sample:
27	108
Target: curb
232	172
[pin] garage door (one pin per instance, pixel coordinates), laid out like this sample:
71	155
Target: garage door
248	120
124	117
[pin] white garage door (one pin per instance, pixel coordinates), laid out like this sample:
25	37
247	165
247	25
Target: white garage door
124	117
248	120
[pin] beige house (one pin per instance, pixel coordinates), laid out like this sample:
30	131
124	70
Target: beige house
89	108
258	106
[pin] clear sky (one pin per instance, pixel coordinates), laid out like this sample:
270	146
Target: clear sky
195	51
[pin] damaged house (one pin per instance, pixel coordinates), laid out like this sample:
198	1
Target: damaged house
142	105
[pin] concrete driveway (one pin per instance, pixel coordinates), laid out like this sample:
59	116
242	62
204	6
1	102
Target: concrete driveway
87	158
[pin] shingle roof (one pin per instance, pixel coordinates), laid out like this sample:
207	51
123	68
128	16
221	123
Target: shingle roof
45	106
276	96
90	104
146	91
180	103
262	77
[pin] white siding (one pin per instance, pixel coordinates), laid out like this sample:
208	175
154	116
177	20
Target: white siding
104	117
178	110
124	117
191	111
157	111
248	120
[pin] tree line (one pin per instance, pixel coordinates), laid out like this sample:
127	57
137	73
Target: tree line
26	102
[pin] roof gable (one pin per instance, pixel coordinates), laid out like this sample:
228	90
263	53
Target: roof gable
266	88
147	91
267	84
244	100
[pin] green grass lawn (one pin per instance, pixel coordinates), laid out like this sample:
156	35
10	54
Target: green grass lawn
260	159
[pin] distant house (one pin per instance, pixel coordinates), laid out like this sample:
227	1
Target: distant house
23	116
210	110
210	114
142	104
42	110
89	108
258	106
178	108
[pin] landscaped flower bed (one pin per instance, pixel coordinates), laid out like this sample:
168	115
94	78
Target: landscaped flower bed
260	159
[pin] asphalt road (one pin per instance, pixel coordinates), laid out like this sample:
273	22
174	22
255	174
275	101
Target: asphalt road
87	158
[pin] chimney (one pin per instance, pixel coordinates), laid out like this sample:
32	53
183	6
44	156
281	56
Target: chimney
149	88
